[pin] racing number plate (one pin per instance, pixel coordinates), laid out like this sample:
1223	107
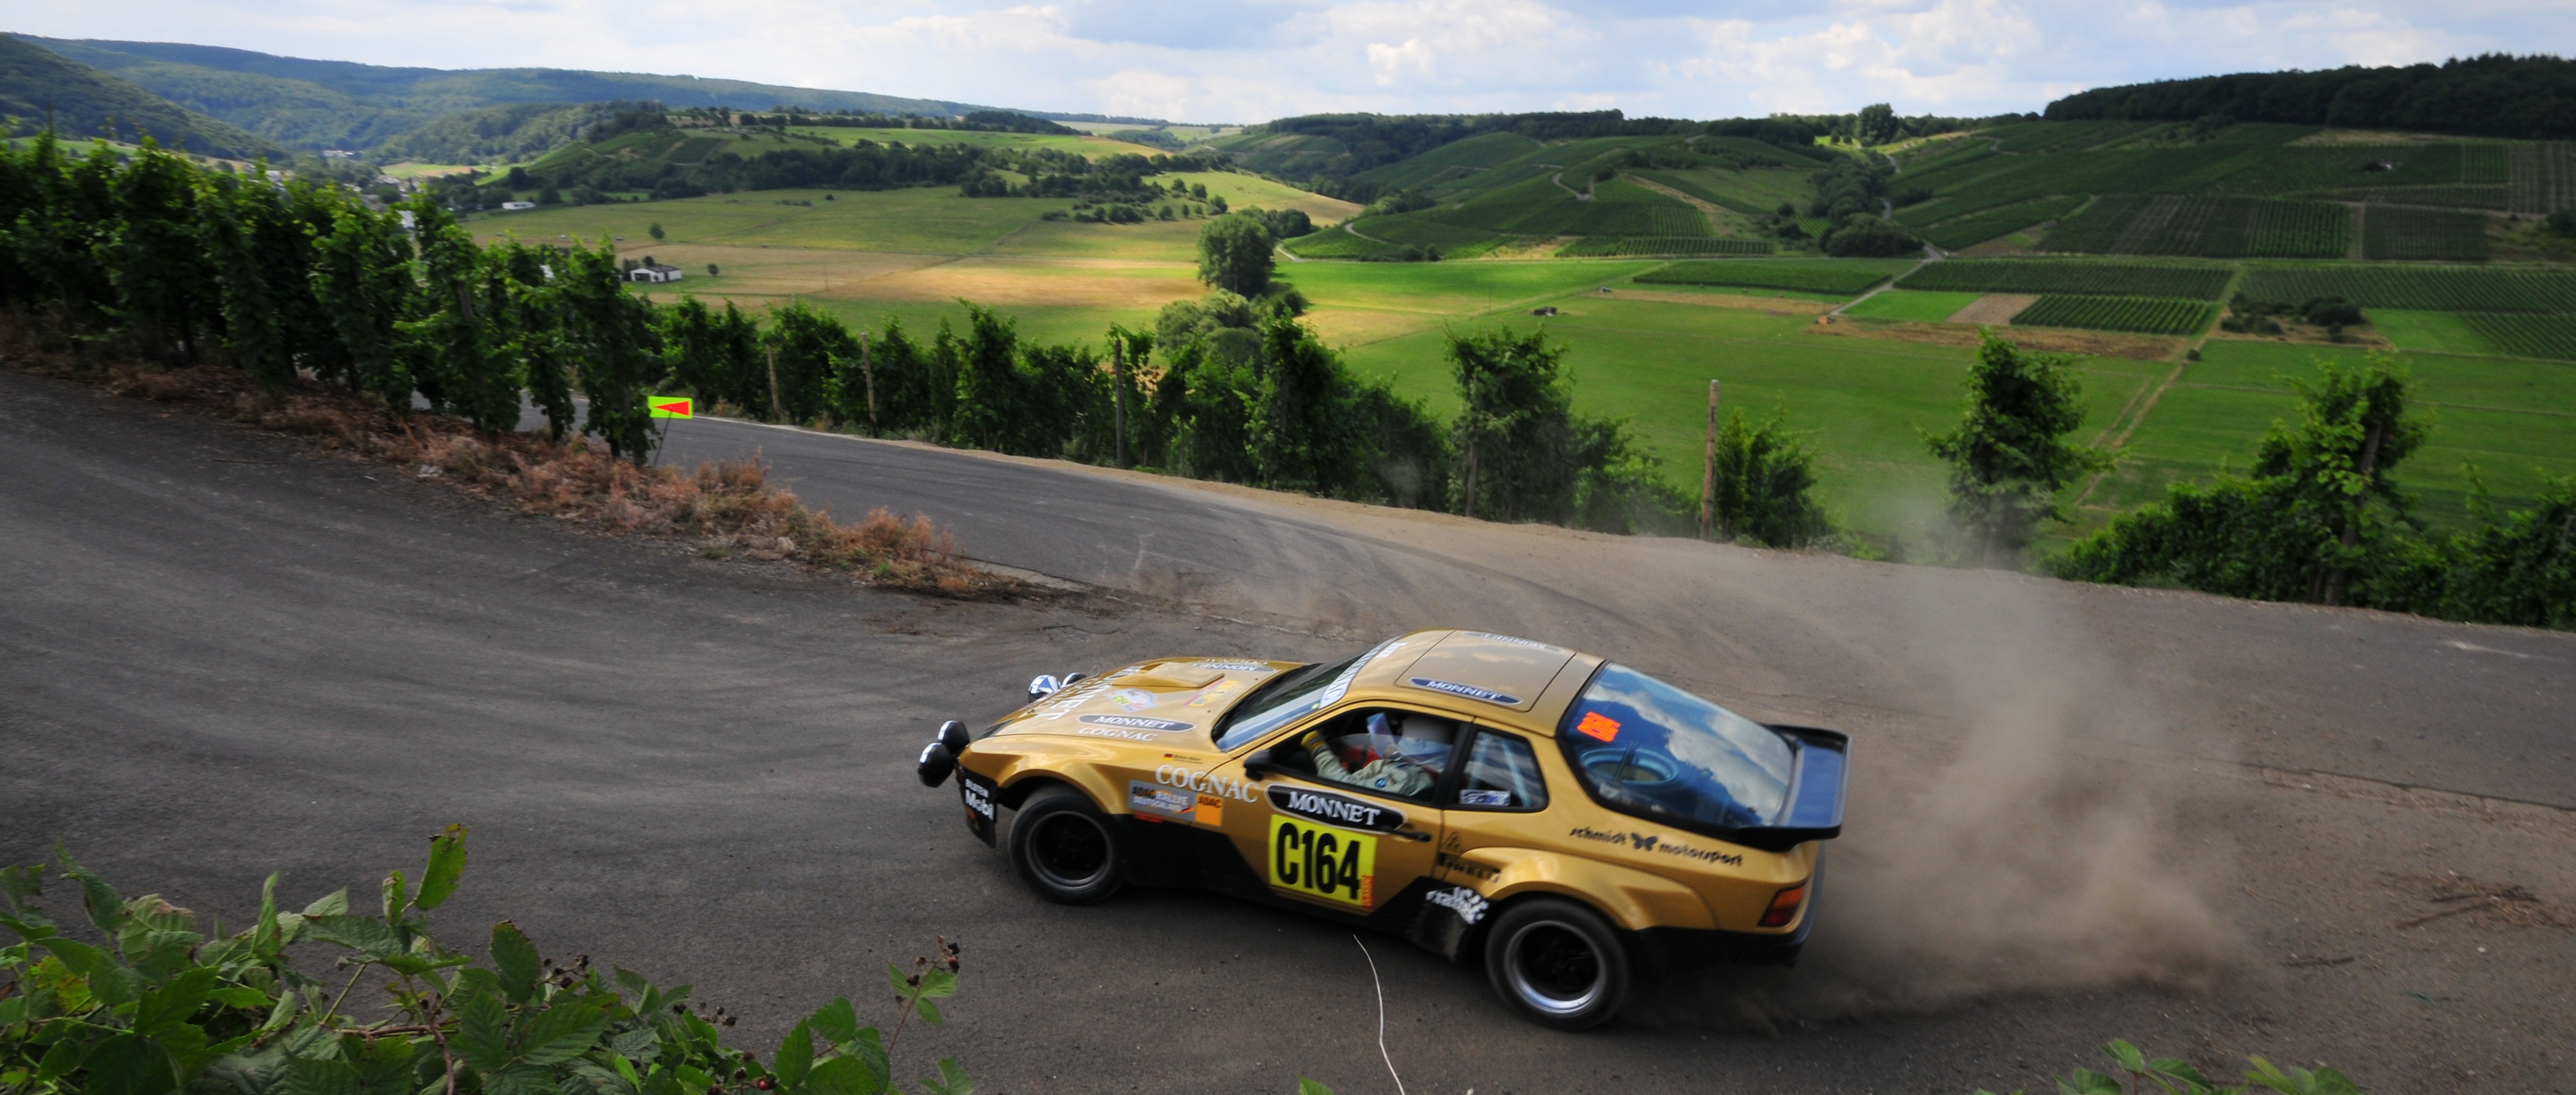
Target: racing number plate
977	793
1335	864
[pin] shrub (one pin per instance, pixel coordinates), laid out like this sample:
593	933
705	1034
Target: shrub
154	1006
1865	236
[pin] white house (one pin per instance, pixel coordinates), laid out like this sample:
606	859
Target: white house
513	207
654	273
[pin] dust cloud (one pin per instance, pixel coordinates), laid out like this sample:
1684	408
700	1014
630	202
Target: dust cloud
2033	846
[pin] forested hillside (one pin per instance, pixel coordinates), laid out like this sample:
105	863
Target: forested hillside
85	102
2494	95
306	104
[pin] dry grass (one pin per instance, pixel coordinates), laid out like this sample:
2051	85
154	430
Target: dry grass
1994	309
726	507
2136	347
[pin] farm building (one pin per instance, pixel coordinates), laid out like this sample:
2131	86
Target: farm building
654	273
513	207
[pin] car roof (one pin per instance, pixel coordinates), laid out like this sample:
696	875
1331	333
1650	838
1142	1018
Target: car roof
1501	678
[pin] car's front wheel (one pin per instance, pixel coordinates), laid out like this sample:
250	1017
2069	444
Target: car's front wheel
1557	963
1063	847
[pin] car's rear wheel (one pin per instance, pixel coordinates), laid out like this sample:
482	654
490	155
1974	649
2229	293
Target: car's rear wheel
1557	963
1064	848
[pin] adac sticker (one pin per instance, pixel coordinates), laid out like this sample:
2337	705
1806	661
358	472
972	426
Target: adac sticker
1216	693
1234	667
1132	699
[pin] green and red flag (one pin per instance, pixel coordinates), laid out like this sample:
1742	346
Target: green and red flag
669	406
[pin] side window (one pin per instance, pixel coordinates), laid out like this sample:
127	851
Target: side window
1385	751
1501	774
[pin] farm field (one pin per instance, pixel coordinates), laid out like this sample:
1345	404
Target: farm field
1844	277
2143	315
1913	304
2511	419
2047	276
1094	147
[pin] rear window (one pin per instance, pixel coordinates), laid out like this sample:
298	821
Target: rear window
1646	748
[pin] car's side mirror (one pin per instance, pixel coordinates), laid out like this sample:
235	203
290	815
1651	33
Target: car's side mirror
1257	765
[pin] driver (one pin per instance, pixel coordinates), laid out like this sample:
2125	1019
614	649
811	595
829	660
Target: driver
1378	759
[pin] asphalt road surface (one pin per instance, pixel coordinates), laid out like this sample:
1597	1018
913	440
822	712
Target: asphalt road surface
2079	813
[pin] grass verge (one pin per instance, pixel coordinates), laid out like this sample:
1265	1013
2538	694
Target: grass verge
727	507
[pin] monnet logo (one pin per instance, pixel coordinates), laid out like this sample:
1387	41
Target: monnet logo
1469	906
1468	690
1133	722
1335	810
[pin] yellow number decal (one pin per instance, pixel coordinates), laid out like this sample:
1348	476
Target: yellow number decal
1324	862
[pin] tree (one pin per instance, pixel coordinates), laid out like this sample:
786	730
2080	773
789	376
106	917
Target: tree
1234	254
612	333
362	278
2008	457
1514	437
655	230
1864	236
1764	484
1876	124
2317	513
155	258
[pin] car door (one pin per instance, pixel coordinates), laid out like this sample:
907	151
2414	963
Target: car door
1344	833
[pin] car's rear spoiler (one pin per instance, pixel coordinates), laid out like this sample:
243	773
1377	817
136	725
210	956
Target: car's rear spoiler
1813	809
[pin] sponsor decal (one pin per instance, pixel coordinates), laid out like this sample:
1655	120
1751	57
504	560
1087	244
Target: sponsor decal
1063	701
1132	699
1468	690
1146	798
1234	667
1206	783
1649	842
1341	686
1133	722
979	799
1467	903
1216	693
1184	758
1484	798
1517	641
1596	724
1312	860
1333	809
1121	735
1452	861
1211	810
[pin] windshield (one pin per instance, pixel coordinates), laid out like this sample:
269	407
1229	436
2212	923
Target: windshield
1647	748
1288	697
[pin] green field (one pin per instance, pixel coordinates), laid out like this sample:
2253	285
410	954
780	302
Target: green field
2048	276
2441	288
2139	315
1913	304
1842	277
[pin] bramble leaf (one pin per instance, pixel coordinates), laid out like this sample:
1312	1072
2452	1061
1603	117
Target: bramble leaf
446	865
364	934
795	1056
482	1034
836	1021
929	1012
516	959
97	896
311	1077
560	1034
952	1080
335	903
844	1076
1310	1087
2085	1081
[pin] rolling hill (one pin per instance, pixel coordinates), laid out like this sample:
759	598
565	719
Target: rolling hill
310	105
86	102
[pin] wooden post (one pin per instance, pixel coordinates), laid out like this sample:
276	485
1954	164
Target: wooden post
777	406
1708	472
868	370
1118	389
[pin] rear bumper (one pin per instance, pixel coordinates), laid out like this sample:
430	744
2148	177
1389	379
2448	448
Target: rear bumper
1663	953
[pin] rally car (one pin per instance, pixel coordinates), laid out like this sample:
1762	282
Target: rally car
1570	820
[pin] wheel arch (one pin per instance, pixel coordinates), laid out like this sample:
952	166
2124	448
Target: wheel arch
1630	899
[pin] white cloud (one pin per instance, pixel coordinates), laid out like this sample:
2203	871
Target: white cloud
1246	60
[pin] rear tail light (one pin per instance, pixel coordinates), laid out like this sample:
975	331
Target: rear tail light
1784	907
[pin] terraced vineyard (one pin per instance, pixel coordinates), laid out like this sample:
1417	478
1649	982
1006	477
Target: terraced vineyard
1614	246
1337	244
2497	198
1410	228
2431	289
2169	224
2389	232
2070	277
2543	176
1976	228
1841	277
2524	335
2143	315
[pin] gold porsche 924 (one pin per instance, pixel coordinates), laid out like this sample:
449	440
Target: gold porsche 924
1572	821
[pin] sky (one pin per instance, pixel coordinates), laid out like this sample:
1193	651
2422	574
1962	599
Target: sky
1252	60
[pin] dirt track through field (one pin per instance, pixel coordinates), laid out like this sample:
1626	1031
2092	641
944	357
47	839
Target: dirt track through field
2078	812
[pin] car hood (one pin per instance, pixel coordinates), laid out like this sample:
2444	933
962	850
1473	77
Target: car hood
1150	701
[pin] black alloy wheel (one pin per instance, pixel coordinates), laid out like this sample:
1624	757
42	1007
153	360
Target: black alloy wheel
1064	849
1557	963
